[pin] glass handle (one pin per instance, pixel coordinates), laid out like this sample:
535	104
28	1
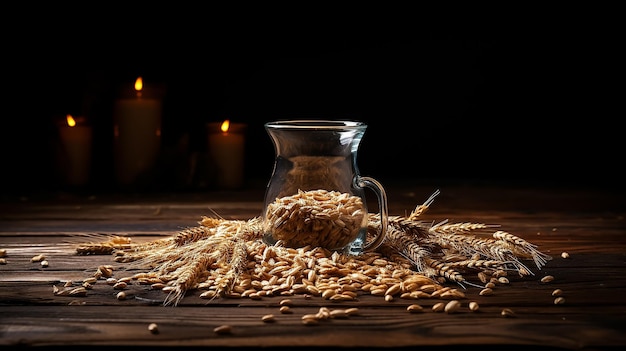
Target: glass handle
381	195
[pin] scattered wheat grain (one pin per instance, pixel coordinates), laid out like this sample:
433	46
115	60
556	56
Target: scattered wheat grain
559	300
78	292
268	318
414	308
338	314
452	306
439	307
223	329
486	292
507	312
38	258
153	328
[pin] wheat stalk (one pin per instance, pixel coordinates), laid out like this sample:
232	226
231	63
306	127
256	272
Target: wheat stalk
225	257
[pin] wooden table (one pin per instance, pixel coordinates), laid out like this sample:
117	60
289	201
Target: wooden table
588	224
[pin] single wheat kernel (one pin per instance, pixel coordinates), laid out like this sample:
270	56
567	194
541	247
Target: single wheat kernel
452	306
507	312
350	294
121	295
503	280
564	255
559	300
153	328
557	292
120	286
338	314
286	302
452	294
255	296
486	292
473	306
268	318
3	252
310	316
223	329
328	293
78	292
388	298
439	307
285	310
414	308
394	289
3	261
547	279
45	263
407	296
378	292
38	258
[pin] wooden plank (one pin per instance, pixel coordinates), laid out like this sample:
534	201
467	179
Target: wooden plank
372	327
580	222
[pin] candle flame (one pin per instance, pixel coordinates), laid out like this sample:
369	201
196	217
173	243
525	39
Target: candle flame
225	126
70	120
139	84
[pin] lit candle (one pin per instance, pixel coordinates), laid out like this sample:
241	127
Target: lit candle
137	135
226	146
76	138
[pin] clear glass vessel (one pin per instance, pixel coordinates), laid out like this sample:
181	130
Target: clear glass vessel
316	196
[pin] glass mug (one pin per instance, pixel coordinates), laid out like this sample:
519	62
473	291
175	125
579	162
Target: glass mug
316	197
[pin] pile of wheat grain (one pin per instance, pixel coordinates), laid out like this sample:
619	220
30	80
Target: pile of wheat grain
228	258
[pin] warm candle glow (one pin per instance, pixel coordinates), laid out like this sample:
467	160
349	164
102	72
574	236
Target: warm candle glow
139	84
76	138
70	120
226	146
137	133
225	126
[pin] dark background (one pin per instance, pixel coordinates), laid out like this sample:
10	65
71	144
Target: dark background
529	108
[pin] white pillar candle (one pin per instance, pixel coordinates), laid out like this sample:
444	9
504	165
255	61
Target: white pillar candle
76	138
137	135
226	147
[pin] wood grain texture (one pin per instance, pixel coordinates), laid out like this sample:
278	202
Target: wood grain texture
587	224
